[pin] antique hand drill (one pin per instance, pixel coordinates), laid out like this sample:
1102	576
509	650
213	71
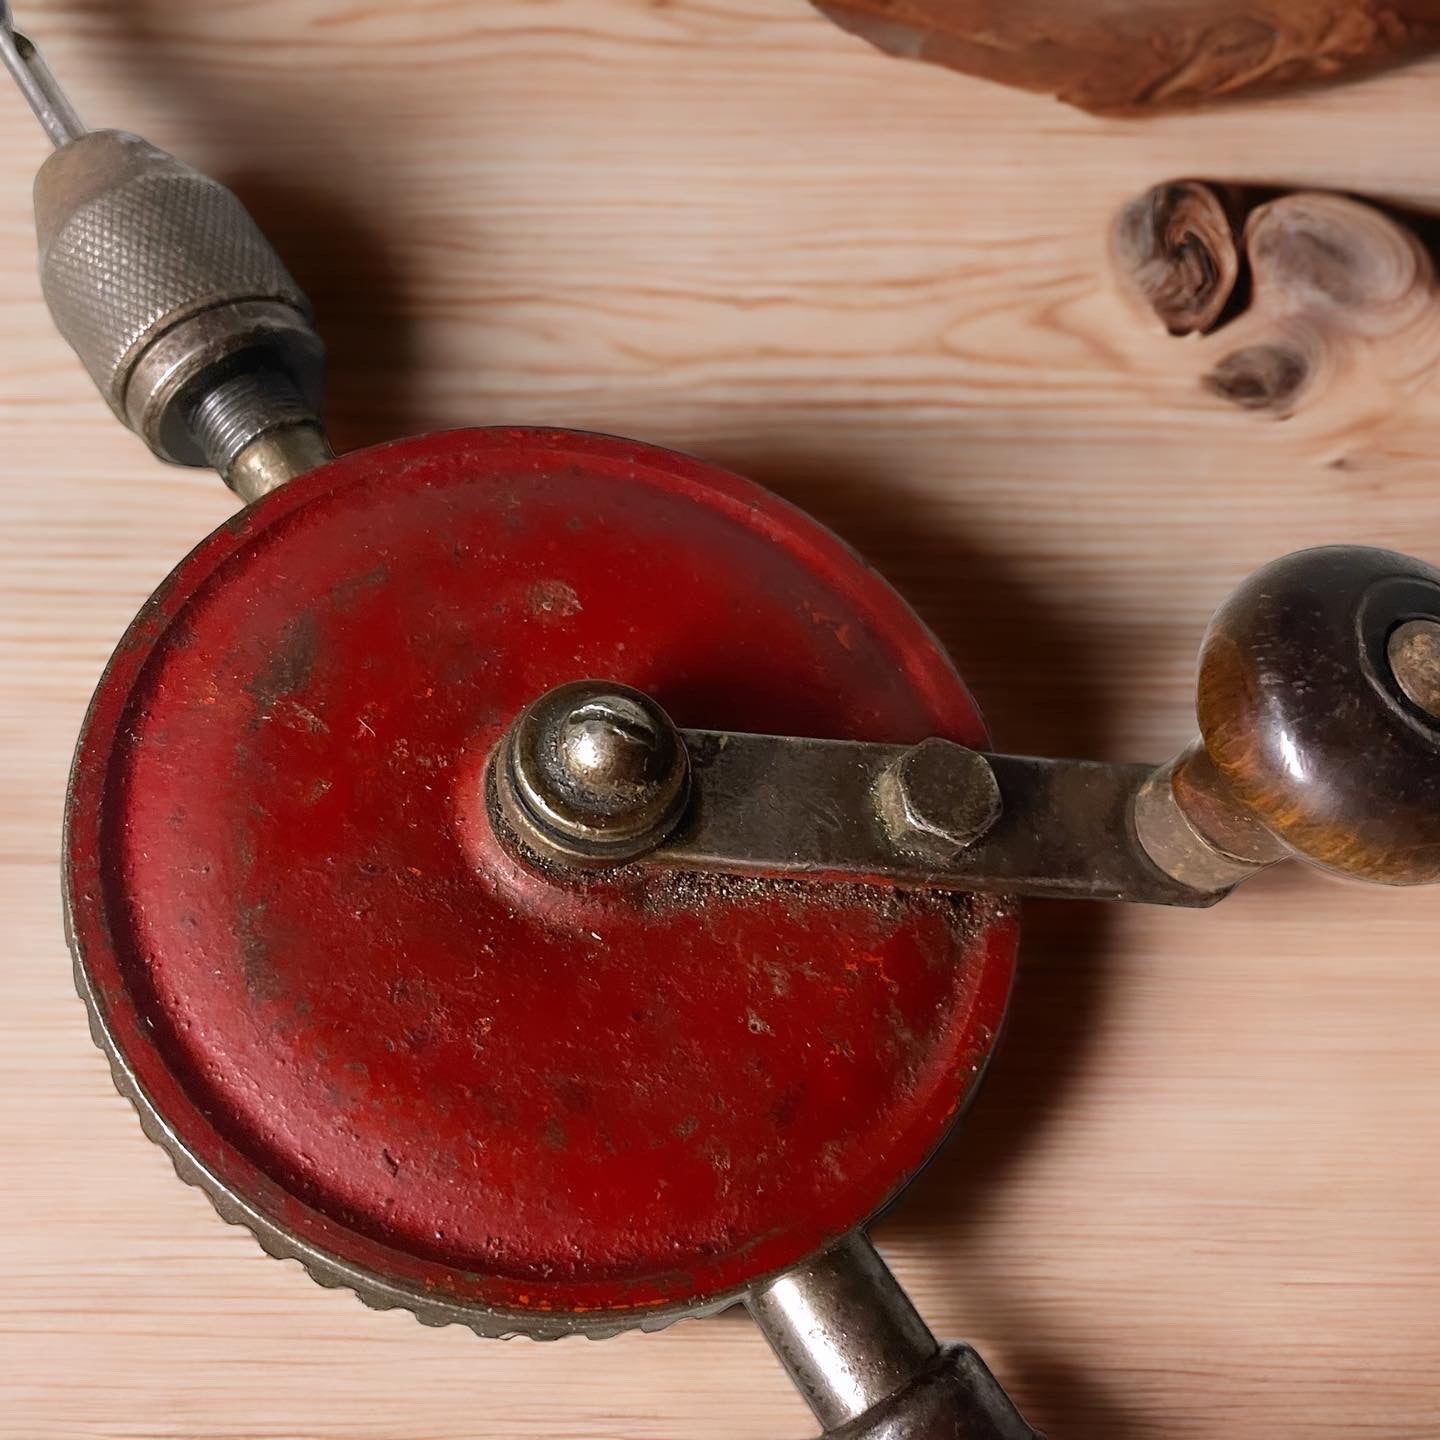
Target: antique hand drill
481	987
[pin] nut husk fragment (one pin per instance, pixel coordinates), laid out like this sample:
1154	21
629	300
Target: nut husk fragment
1133	56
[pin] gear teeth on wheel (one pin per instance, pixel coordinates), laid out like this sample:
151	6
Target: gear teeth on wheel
372	1292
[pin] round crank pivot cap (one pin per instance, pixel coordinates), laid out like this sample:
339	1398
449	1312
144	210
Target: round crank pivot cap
522	1097
595	773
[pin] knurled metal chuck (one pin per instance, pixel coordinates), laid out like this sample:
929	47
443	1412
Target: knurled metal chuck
187	320
164	285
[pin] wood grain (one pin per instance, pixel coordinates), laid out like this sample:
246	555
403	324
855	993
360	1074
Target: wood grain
1197	1199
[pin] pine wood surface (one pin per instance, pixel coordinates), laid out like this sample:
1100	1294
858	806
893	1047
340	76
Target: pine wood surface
1198	1196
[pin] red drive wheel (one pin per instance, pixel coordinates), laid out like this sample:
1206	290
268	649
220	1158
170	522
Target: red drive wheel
525	1103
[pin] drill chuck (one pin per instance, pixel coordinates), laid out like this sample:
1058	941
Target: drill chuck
167	290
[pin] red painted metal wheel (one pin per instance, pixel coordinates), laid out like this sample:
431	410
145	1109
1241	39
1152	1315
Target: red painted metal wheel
398	1054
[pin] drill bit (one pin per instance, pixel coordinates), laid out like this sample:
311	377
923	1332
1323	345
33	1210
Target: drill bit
51	105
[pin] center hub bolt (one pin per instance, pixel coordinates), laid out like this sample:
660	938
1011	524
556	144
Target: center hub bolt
593	773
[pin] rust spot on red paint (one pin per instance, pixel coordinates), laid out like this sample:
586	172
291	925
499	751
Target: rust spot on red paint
346	595
552	600
261	980
287	670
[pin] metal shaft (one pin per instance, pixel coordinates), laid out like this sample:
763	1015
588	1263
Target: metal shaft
37	84
867	1364
258	432
844	1330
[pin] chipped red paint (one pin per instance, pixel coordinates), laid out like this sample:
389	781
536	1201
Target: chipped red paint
367	1020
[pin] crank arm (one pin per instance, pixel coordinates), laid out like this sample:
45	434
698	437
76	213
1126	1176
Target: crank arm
1319	716
933	816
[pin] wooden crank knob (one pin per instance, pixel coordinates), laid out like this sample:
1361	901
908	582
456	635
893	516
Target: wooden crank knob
1318	700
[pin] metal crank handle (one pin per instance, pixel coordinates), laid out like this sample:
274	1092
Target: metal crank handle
1319	714
867	1364
187	320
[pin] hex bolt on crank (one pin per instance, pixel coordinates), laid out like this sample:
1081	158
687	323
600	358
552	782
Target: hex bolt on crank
594	870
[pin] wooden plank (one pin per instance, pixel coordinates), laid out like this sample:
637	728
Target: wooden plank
1198	1197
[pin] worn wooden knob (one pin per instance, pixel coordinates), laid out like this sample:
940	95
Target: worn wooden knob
1319	709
